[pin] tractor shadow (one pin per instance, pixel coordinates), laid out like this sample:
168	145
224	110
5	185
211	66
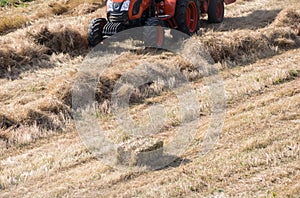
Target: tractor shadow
165	162
178	162
255	20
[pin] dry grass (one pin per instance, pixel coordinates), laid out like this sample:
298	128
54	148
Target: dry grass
13	61
257	153
74	7
65	40
37	47
11	22
213	174
76	3
58	9
245	46
16	17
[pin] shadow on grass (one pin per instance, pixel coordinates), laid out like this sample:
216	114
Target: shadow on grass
256	20
164	162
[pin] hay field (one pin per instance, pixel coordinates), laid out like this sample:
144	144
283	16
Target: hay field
257	51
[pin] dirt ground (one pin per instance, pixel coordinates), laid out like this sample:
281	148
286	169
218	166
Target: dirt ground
257	52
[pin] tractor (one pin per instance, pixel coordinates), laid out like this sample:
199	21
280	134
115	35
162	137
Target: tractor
182	15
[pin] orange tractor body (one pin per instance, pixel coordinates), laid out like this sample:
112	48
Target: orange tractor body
168	6
183	15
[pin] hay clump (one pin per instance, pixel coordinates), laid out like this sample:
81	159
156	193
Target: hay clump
6	122
54	106
57	8
86	8
246	46
289	17
31	117
65	40
15	61
139	151
11	22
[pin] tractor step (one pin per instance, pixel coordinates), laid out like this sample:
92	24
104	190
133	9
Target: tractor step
165	16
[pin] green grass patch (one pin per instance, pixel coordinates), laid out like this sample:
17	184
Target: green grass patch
14	3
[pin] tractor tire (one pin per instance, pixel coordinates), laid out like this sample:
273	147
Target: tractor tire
95	31
216	11
154	33
187	15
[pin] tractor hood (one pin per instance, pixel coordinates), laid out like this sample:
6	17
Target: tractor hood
117	5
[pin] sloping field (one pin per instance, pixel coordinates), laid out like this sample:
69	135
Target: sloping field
257	52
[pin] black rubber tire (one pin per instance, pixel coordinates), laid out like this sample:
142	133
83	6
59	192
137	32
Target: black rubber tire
151	34
95	31
212	11
180	16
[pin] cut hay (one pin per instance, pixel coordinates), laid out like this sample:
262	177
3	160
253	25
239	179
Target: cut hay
139	152
289	17
36	50
57	8
11	22
53	106
13	62
86	8
6	122
245	46
47	113
34	120
64	40
36	117
76	3
121	79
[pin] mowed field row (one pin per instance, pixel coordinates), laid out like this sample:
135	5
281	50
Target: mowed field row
257	153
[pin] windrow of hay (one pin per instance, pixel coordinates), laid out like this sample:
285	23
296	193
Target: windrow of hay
287	18
158	74
46	112
11	22
6	122
16	17
51	113
76	3
70	7
65	7
37	50
63	40
41	117
57	8
245	46
29	116
85	8
15	61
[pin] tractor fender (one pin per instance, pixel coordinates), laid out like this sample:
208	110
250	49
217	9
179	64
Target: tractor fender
143	6
170	6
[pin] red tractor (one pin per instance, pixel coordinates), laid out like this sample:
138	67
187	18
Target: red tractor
183	15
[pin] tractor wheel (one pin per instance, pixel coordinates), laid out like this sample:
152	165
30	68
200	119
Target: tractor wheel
187	15
154	33
216	11
95	31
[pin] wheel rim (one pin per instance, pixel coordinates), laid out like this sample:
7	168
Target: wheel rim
220	10
192	16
